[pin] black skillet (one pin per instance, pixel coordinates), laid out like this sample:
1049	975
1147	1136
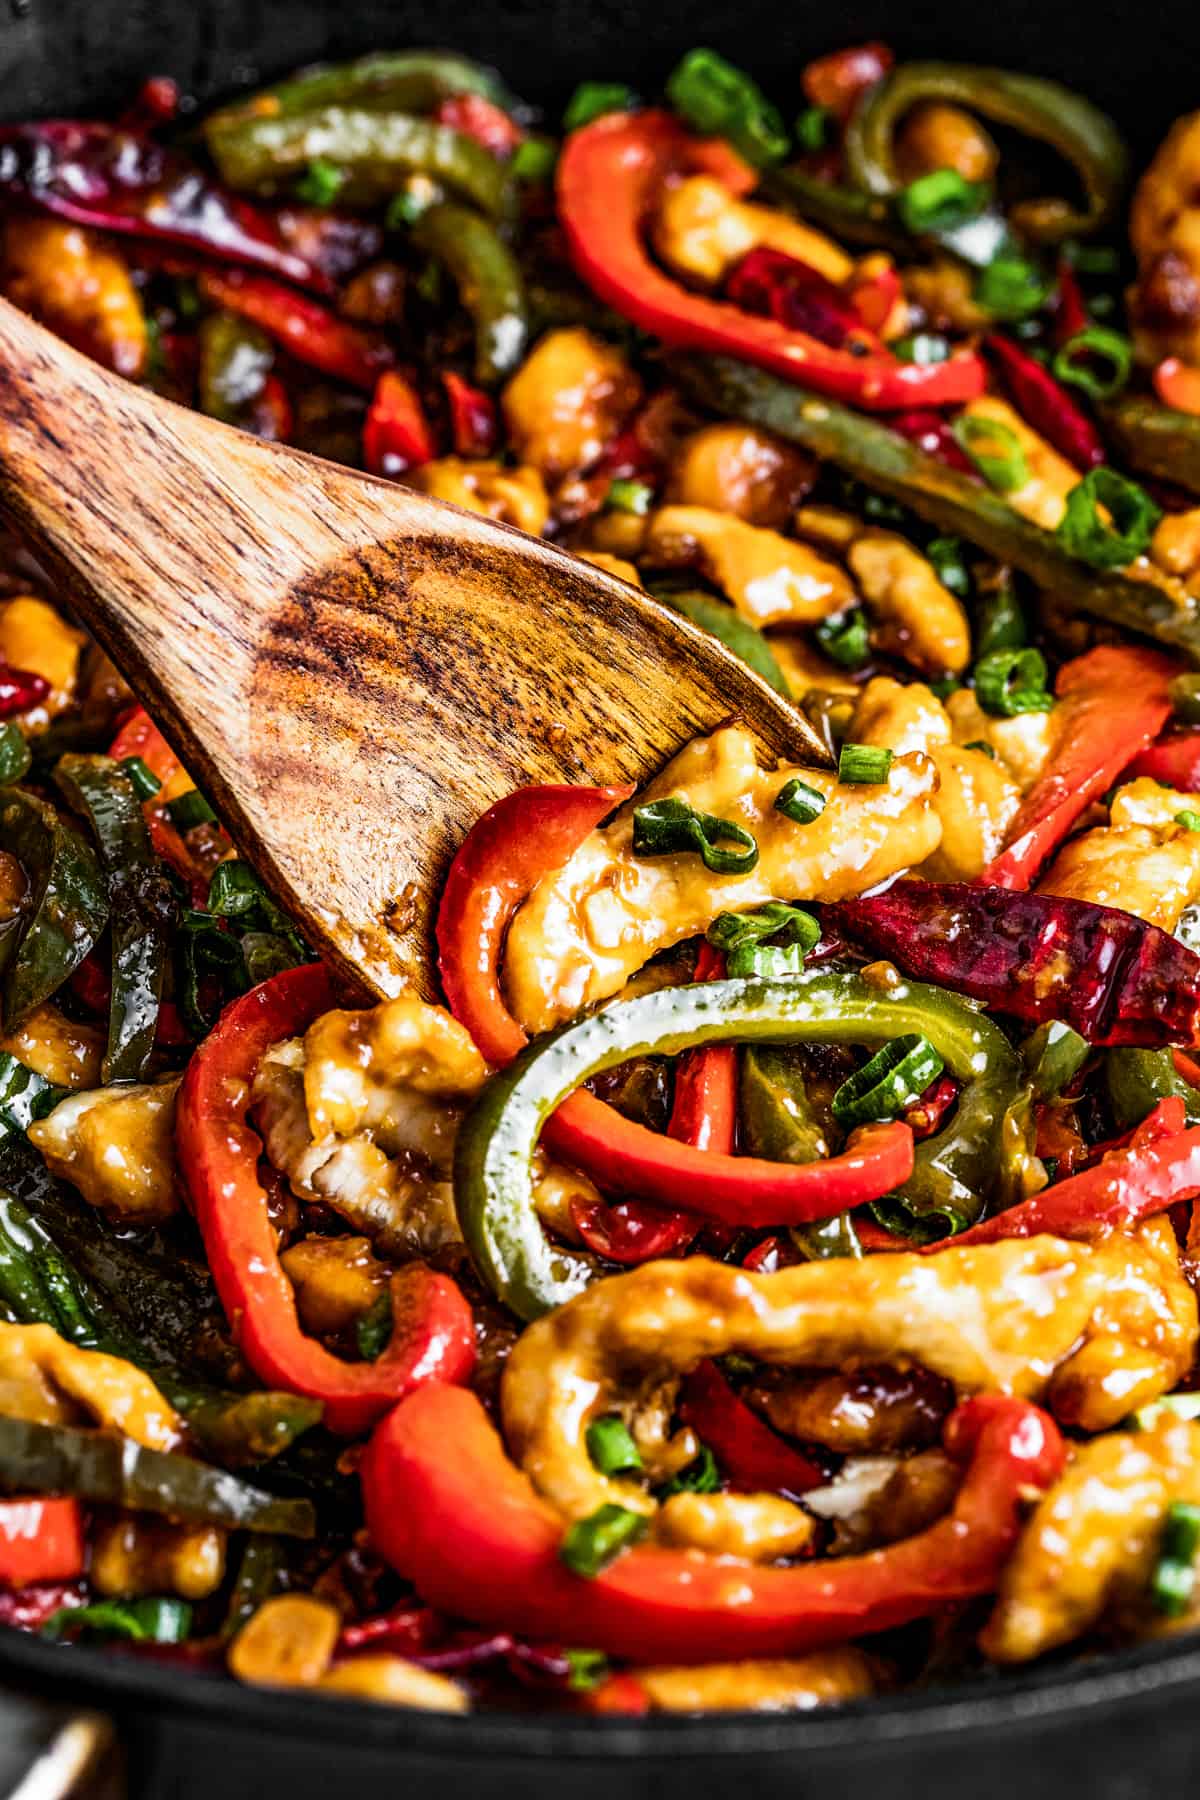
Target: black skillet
1112	1729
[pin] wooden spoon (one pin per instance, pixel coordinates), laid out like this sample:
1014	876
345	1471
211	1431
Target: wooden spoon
351	671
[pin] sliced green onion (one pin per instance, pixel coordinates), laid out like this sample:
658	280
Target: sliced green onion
1174	1574
863	764
770	962
534	160
592	99
145	782
154	1619
732	931
1011	287
591	1544
921	347
321	183
373	1331
799	802
1003	465
629	497
1011	682
845	637
700	1477
714	97
586	1669
1185	698
999	621
813	128
939	201
893	1080
945	554
672	827
984	748
611	1447
189	810
1188	819
1092	539
1075	363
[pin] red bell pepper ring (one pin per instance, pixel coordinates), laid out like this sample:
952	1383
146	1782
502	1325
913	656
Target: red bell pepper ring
1114	978
752	1458
1175	761
40	1540
932	434
1045	404
1177	384
449	1511
609	177
433	1335
307	330
472	416
396	433
1112	703
123	181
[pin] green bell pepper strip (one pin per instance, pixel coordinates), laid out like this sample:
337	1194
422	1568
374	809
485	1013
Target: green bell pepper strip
777	1118
1041	109
393	80
143	909
263	1560
729	628
952	1176
488	280
68	906
1136	1080
845	212
375	152
1053	1056
1154	439
236	358
866	449
111	1470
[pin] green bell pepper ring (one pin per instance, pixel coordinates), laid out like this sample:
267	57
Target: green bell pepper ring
951	1177
488	280
1041	109
67	909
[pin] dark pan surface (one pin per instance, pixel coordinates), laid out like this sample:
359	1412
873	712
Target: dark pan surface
1114	1729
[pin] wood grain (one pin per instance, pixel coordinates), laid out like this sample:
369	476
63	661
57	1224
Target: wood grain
352	671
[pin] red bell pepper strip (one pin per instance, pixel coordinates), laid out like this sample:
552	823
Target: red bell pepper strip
123	181
932	433
307	330
19	690
705	1108
610	174
1112	703
1160	1167
472	416
396	433
433	1335
1177	384
776	286
448	1510
1175	761
140	736
1045	404
482	120
752	1458
92	984
1109	975
40	1540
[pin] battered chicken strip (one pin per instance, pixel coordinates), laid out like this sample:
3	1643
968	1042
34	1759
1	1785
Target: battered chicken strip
51	1382
771	579
117	1146
1164	230
1091	1544
1142	861
785	1684
586	929
1093	1330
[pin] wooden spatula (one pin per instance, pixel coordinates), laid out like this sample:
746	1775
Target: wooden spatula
351	671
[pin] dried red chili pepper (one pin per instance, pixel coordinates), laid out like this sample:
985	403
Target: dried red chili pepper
1112	977
780	287
752	1458
472	416
123	181
1070	312
838	81
632	1231
1045	404
931	433
927	1115
310	332
482	120
19	690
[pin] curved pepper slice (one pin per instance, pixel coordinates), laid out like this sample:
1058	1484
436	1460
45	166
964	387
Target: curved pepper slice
40	1540
433	1332
448	1510
1112	703
609	176
310	332
1045	404
1175	762
753	1458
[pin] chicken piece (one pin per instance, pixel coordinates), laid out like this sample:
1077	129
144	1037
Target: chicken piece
78	286
1042	496
1175	546
1023	745
394	1681
919	619
1092	1542
1142	861
514	496
35	637
48	1380
117	1146
337	1281
586	929
569	398
919	1491
862	1411
701	231
772	580
138	1554
936	135
759	1527
612	565
60	1049
1024	1316
945	292
735	468
1164	230
291	1640
975	799
784	1684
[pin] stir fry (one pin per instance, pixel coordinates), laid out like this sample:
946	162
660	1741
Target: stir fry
765	1276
